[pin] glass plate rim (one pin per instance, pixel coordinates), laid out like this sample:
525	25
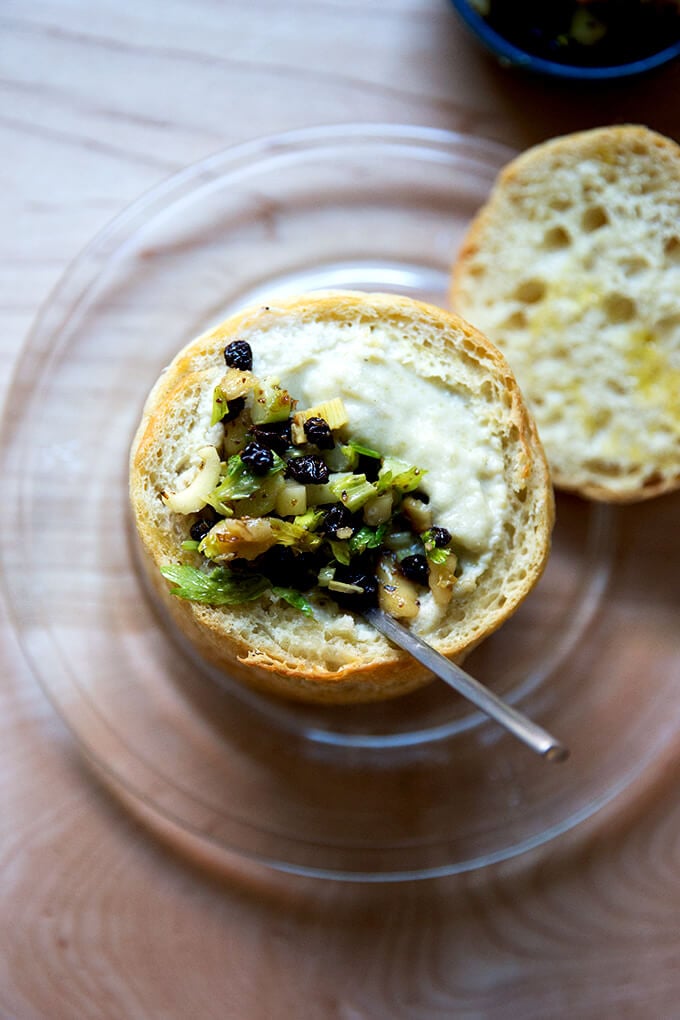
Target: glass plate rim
164	193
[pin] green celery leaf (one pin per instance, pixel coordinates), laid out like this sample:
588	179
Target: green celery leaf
352	490
341	551
296	599
434	553
219	588
309	520
353	445
240	483
220	405
437	555
367	538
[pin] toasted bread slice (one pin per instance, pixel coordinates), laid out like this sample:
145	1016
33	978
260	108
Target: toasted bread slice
417	383
573	269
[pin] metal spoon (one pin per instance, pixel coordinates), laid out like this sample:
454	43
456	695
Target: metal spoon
524	729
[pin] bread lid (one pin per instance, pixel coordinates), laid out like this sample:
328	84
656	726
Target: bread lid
573	269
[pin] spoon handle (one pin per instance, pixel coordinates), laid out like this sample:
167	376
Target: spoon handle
524	729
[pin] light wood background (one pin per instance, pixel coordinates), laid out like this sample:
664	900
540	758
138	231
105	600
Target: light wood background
99	101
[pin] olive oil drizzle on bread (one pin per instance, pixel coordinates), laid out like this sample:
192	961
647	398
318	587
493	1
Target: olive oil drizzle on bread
573	269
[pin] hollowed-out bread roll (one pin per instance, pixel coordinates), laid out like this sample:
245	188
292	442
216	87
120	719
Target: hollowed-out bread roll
418	384
573	269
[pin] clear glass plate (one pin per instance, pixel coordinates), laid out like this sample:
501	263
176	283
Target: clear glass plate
419	786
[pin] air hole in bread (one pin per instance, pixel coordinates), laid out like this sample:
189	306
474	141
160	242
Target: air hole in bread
560	203
506	397
617	386
652	480
556	238
598	420
648	186
476	269
487	390
668	324
518	320
531	291
609	469
633	265
594	217
619	308
671	248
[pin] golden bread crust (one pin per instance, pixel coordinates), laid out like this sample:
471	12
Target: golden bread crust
265	644
572	268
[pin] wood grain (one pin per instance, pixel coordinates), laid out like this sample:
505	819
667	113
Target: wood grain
98	919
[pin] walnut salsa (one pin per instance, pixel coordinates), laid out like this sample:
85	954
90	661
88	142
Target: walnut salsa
289	502
585	32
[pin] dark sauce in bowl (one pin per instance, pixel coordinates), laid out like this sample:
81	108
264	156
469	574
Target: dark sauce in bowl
601	33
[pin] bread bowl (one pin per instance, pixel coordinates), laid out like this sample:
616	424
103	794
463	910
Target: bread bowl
420	388
573	269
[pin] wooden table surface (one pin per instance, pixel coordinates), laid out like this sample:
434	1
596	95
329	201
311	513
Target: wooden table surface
98	918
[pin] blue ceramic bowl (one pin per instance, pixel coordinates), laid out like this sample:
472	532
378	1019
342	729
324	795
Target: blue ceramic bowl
512	55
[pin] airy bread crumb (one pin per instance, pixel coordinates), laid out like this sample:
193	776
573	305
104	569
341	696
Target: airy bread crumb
573	269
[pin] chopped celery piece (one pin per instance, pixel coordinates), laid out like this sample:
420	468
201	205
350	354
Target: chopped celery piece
396	540
220	405
317	494
235	435
218	588
378	510
270	402
415	549
295	598
263	501
403	543
346	589
351	450
399	475
310	520
352	490
365	451
240	480
326	575
239	483
236	383
341	551
290	533
215	501
191	545
337	459
332	411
